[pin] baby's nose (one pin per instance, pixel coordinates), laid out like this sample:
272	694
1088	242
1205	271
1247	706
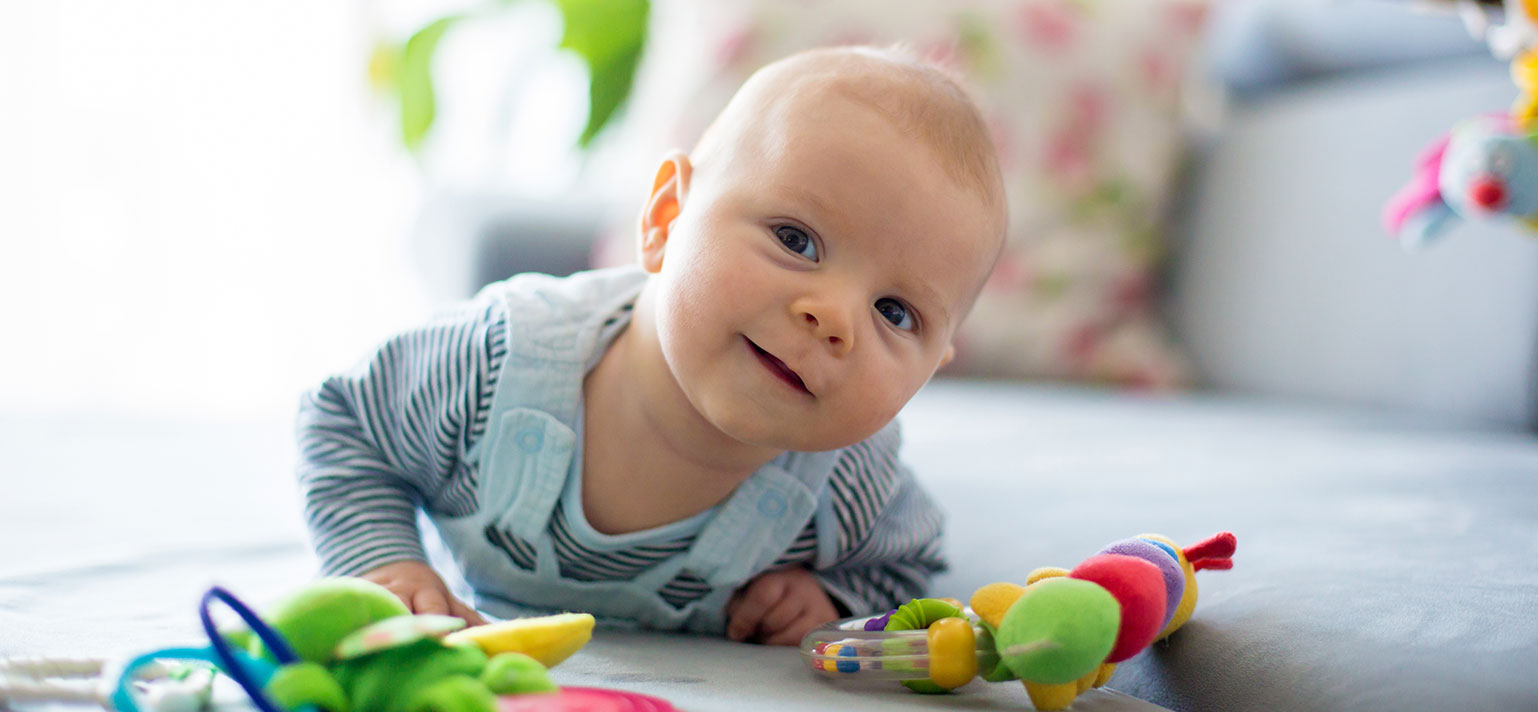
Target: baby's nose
833	339
830	326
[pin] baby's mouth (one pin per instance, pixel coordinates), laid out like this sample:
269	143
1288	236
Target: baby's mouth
778	367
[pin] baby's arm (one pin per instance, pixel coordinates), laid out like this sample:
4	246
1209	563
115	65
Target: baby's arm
386	437
889	530
888	549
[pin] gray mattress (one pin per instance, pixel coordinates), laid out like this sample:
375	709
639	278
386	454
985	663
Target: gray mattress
1385	562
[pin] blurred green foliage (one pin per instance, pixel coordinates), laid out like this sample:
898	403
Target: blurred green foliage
607	35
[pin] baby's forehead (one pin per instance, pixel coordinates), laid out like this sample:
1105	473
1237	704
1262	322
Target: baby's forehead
920	101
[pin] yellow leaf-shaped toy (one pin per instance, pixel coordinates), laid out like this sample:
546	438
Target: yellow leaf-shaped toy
548	639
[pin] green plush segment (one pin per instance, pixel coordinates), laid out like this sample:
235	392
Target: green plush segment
918	613
925	687
452	694
991	667
516	674
1059	630
304	683
385	681
240	638
320	615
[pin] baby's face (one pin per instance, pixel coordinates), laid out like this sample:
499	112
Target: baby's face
815	276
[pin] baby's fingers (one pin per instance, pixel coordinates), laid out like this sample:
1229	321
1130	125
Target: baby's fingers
780	617
458	609
793	632
748	609
429	600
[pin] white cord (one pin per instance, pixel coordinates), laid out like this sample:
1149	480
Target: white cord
60	680
92	681
21	691
51	667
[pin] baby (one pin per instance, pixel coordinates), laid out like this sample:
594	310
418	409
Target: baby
705	441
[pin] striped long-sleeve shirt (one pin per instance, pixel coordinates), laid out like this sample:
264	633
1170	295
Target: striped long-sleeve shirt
391	435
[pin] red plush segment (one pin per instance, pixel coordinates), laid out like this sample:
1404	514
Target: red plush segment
1218	548
1139	587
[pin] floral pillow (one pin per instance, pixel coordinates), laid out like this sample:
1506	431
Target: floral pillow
1085	101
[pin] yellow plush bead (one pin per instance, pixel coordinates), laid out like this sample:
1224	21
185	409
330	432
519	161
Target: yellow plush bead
1045	572
1106	671
1088	681
1187	604
992	601
1051	697
952	653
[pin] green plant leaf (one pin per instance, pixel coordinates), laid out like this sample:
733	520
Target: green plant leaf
415	81
608	35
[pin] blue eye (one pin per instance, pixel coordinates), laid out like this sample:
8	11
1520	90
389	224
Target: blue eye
796	240
894	311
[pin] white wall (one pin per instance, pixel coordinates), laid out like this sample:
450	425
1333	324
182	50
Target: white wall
203	207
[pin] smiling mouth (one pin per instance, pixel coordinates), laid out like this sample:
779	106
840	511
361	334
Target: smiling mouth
777	367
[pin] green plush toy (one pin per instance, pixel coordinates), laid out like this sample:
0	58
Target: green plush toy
361	650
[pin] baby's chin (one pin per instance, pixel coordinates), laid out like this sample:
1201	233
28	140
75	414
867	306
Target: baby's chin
767	432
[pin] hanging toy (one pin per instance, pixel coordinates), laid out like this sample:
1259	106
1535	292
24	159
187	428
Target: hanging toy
1487	166
1060	634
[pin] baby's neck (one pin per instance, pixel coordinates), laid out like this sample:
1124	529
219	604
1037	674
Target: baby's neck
649	458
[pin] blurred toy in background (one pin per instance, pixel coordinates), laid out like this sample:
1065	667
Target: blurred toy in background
1507	27
1486	166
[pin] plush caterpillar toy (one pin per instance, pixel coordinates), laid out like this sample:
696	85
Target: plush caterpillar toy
1061	633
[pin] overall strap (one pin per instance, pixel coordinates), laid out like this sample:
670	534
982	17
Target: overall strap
553	326
761	519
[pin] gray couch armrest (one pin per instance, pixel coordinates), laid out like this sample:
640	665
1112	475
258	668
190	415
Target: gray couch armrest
465	241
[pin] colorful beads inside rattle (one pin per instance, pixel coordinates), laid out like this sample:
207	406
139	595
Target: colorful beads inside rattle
850	665
838	657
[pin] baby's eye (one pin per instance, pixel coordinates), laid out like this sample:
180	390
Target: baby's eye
894	311
796	240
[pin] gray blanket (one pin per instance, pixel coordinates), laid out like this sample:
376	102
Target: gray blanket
1384	562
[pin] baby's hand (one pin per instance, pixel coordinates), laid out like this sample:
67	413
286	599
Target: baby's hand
779	608
421	589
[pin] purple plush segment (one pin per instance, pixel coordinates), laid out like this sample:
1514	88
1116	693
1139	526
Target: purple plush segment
1174	577
879	622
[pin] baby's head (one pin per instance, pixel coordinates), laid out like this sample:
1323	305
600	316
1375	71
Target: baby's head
814	254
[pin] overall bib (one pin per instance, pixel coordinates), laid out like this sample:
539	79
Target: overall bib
527	455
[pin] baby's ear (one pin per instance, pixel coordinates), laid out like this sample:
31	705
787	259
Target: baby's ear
669	191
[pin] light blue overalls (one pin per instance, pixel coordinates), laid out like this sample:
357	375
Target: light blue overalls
528	454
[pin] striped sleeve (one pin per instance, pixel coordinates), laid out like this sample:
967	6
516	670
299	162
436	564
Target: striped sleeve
387	437
889	530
